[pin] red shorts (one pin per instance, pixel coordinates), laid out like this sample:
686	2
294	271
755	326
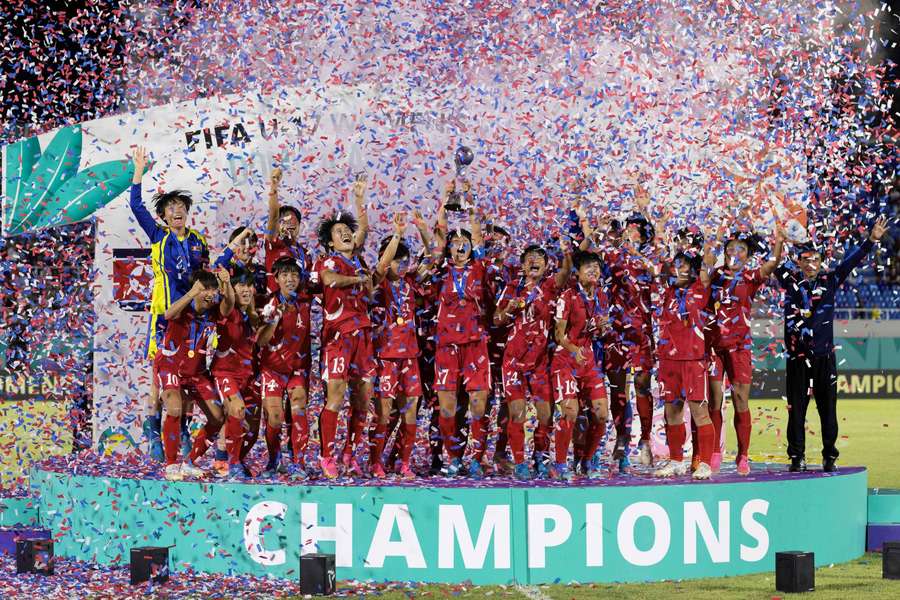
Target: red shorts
350	356
399	378
469	361
737	363
682	380
627	354
574	381
194	387
275	384
519	379
232	384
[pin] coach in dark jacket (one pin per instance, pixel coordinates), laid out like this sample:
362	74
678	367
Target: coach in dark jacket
809	341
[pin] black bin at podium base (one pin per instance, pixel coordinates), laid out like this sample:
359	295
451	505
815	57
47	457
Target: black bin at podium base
317	575
149	563
795	572
34	556
890	560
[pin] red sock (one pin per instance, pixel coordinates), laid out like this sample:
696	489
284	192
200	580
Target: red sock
273	442
327	428
201	441
563	439
358	419
171	438
299	436
645	414
743	425
516	434
234	432
675	435
617	401
716	417
252	434
595	436
377	438
447	426
705	433
477	434
409	441
695	441
542	438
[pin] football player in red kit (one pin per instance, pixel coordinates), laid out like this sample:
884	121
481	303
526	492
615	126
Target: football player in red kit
285	363
232	367
181	367
527	306
282	234
631	347
461	357
734	286
502	270
682	371
348	354
581	318
397	349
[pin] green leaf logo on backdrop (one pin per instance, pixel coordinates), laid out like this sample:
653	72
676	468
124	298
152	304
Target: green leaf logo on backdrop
46	189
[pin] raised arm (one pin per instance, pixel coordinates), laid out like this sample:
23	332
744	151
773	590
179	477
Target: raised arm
384	263
565	268
225	259
362	216
852	260
424	233
475	226
136	202
770	265
227	303
272	226
175	309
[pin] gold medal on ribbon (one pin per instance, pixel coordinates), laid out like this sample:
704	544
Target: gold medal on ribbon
190	354
401	321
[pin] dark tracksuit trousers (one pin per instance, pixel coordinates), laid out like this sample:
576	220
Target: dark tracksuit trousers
814	376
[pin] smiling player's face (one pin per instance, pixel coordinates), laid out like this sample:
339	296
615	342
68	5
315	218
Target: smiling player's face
243	293
534	266
175	214
342	238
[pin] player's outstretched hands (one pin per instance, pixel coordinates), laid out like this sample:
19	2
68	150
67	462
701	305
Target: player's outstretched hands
239	240
140	163
275	178
400	222
879	227
223	276
359	186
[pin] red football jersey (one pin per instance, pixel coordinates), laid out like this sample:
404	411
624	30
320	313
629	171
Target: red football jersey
188	341
461	313
682	318
289	349
630	286
531	323
579	309
280	248
345	309
394	312
234	346
732	297
498	277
